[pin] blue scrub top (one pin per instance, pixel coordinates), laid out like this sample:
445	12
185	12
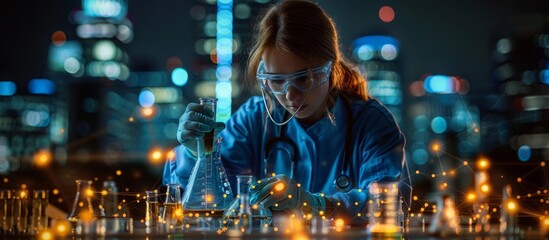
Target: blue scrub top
377	151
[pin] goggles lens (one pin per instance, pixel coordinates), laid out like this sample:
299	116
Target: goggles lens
302	81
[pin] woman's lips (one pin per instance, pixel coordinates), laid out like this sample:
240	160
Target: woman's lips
294	108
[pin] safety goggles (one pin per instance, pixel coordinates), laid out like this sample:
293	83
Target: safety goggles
303	80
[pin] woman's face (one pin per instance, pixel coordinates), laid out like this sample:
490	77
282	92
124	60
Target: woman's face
314	100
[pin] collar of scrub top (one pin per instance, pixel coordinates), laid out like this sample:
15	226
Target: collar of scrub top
343	181
292	78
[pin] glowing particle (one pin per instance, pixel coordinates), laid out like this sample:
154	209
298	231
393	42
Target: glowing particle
417	171
280	186
118	172
519	179
465	163
55	191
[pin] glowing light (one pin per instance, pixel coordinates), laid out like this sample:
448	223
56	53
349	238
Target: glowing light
339	225
42	158
435	147
155	156
89	192
280	186
146	98
180	77
104	50
483	163
46	235
118	172
511	206
170	155
41	86
438	124
208	198
471	197
386	14
61	228
465	163
415	198
485	188
147	112
7	88
55	191
524	153
58	38
104	192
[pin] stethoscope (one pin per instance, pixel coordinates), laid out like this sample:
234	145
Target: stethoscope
287	147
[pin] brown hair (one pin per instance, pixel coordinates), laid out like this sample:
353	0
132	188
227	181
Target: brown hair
302	28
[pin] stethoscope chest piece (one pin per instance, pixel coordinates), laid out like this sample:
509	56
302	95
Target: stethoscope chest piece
342	182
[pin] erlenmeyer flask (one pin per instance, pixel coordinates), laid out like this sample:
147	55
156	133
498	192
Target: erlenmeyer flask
208	191
83	213
241	215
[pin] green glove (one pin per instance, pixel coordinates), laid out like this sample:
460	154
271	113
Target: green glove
281	192
194	123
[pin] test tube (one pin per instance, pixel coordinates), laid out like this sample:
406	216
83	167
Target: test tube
20	211
6	210
39	219
210	103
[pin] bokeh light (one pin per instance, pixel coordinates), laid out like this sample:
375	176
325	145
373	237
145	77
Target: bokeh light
180	76
386	14
524	153
58	38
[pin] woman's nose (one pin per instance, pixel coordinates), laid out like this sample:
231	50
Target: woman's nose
292	94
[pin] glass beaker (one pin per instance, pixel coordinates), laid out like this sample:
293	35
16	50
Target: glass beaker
241	215
39	219
383	207
83	213
109	198
446	220
152	209
172	215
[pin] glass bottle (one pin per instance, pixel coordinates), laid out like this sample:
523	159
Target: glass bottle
241	215
208	191
6	210
83	213
109	198
172	216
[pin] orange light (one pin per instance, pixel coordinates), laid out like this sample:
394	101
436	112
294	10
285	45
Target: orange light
483	163
471	197
485	188
147	112
118	172
436	147
155	157
280	186
170	155
386	14
208	198
89	192
512	206
42	158
339	225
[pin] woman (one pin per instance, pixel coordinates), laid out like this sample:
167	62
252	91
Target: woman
314	137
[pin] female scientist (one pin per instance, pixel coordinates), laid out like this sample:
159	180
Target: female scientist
315	130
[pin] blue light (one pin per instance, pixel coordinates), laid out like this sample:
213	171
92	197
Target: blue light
438	124
376	42
180	76
438	84
223	89
146	98
420	156
544	76
421	122
41	86
524	153
7	88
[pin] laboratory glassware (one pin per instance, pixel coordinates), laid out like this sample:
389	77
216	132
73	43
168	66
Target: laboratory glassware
241	214
152	209
446	219
208	191
39	219
109	198
383	207
172	215
83	214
